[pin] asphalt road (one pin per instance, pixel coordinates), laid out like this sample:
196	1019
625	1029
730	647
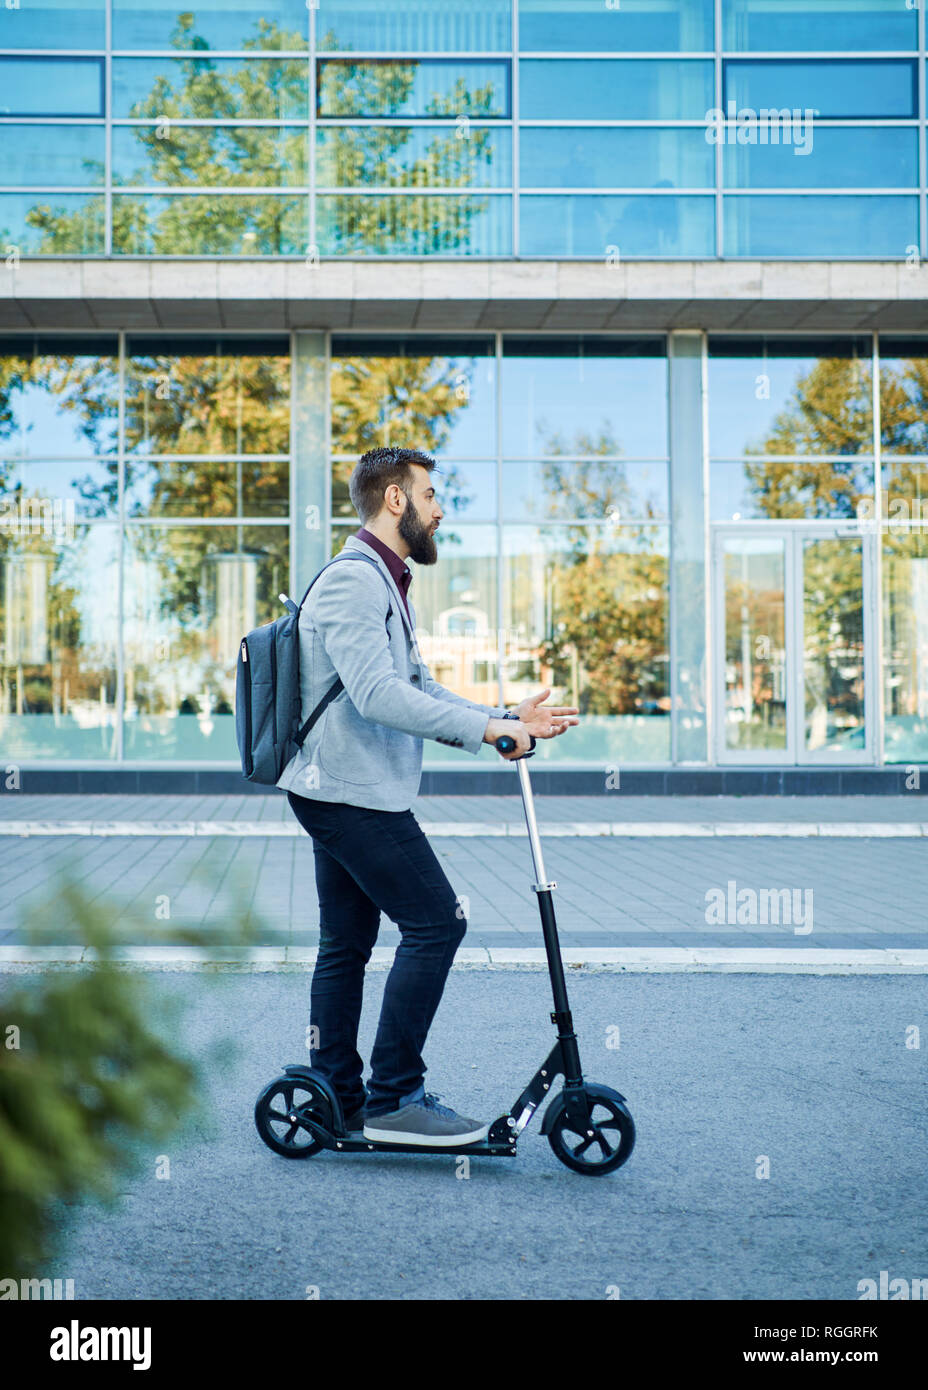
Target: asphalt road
721	1072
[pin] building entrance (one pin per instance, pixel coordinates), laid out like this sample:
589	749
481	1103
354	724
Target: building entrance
793	637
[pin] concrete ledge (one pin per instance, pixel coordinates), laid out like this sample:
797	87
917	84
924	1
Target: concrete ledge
284	293
656	960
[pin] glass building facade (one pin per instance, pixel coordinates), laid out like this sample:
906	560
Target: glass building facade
711	540
577	128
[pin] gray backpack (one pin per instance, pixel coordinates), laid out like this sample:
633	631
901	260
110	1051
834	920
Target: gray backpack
267	689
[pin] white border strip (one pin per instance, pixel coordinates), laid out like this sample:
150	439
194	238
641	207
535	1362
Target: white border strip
445	830
628	959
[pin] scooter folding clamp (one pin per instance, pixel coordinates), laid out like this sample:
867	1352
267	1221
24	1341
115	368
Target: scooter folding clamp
543	887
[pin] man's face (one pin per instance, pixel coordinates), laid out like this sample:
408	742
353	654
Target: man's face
420	520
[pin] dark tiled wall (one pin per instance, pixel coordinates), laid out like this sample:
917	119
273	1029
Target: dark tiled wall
674	781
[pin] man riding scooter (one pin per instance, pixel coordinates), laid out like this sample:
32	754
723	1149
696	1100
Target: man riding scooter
351	786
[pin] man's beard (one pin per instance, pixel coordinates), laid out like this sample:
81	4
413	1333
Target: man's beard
421	542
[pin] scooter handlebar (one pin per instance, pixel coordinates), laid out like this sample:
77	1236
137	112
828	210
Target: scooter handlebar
506	743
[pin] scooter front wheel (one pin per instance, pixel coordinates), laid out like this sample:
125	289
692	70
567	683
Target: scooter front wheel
281	1111
598	1147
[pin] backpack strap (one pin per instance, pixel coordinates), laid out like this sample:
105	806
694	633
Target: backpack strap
337	686
348	555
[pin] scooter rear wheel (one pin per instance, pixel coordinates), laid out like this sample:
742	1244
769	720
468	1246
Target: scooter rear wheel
598	1147
283	1098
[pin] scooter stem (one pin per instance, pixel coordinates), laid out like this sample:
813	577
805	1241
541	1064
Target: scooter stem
561	1017
528	803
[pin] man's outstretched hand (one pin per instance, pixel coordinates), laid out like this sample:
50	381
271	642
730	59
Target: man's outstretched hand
545	723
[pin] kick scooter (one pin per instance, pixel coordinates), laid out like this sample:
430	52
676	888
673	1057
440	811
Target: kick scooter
588	1126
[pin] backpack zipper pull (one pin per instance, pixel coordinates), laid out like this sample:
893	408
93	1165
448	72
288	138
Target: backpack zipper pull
244	652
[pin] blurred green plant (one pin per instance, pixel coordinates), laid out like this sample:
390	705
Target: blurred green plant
89	1080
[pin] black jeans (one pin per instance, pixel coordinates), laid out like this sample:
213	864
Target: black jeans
368	862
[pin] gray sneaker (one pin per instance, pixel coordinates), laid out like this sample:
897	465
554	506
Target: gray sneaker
425	1122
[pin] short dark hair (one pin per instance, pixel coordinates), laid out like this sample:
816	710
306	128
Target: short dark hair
377	470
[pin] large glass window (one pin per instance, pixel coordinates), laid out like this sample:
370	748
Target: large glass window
207	426
458	154
413	225
614	226
574	484
827	157
51	86
438	392
53	223
585	488
59	577
58	421
583	448
388	156
263	156
212	24
209	89
810	226
790	426
417	26
58	396
905	643
903	395
207	432
387	87
207	395
210	224
586	613
54	156
807	25
617	157
59	630
904	507
833	88
600	397
191	592
55	24
635	26
616	89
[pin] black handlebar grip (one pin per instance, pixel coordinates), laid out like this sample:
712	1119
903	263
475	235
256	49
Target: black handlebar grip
506	743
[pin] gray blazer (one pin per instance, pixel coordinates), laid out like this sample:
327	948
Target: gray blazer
366	748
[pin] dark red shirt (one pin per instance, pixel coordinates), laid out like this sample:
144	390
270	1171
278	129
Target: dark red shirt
400	571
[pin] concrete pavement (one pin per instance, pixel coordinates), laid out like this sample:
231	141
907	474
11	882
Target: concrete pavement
614	891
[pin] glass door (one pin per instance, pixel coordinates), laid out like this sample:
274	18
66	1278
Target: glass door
830	584
751	570
792	633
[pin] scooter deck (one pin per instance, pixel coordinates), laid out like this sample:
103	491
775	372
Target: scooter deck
356	1143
